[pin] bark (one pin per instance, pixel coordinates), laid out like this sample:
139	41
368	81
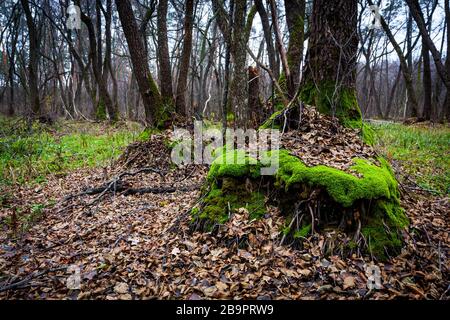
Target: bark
12	65
239	53
280	46
427	92
446	106
98	22
180	100
268	37
33	60
254	100
412	105
227	33
165	71
108	69
147	87
330	69
295	17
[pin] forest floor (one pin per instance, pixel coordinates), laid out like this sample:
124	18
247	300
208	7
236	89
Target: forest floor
55	225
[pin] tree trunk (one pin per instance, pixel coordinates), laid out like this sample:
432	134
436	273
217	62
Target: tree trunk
33	60
239	53
254	101
280	46
185	58
405	68
107	69
165	72
105	101
415	10
268	37
427	92
295	19
147	86
446	106
330	69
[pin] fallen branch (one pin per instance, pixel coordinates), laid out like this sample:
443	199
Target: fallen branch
159	190
28	278
115	185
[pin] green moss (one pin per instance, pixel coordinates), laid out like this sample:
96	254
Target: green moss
377	184
100	112
296	37
371	183
219	203
164	114
352	244
366	131
234	163
302	232
163	108
230	116
380	240
344	188
324	96
271	123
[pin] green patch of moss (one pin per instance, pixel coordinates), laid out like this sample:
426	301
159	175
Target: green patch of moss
302	232
366	131
219	203
234	163
164	114
271	123
325	97
100	112
344	188
146	134
370	183
380	240
377	184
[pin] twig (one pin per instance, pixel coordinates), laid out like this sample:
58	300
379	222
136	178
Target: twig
29	278
159	190
312	218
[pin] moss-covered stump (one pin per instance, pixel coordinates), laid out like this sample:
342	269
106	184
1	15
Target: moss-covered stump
362	201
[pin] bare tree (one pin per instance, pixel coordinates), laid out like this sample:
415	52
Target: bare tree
165	72
180	100
147	87
33	60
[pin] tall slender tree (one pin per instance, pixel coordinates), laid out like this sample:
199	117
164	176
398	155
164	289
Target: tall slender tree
268	38
185	58
105	100
165	71
148	89
33	59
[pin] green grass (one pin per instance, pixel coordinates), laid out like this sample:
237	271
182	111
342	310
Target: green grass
29	154
423	152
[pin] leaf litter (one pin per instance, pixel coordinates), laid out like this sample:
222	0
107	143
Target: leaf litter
141	246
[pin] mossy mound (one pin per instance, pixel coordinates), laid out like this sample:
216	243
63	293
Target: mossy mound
376	181
369	193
